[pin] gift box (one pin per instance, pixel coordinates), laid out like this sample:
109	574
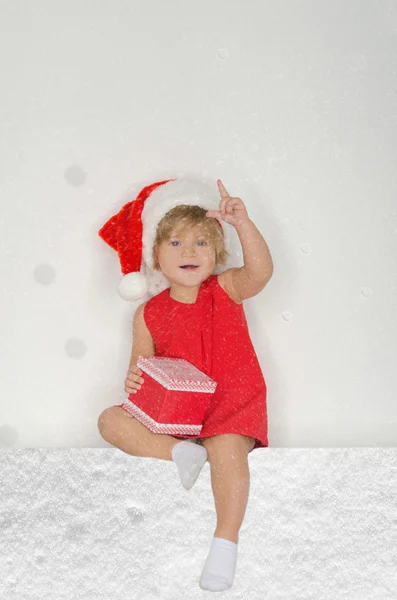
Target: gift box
174	396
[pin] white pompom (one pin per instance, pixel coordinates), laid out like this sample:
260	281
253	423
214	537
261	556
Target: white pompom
133	286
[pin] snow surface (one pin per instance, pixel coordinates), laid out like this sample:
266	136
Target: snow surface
93	524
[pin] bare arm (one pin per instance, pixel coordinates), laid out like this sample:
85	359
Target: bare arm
142	341
258	263
247	281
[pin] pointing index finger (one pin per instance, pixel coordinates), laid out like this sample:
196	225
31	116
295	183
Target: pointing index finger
224	196
222	190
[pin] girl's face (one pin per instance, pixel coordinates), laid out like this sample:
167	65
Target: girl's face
190	246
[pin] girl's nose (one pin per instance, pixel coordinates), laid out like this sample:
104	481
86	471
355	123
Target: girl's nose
188	251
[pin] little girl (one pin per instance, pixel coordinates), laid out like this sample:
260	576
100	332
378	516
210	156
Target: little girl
200	318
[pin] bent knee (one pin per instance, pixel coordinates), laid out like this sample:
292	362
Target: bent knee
107	418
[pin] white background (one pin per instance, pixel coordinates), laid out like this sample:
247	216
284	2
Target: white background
293	106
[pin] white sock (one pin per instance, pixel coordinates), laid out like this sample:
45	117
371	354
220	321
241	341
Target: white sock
220	566
190	458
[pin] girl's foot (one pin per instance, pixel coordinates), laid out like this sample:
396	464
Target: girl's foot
220	566
190	458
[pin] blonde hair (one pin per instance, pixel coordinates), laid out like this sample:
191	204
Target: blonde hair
188	216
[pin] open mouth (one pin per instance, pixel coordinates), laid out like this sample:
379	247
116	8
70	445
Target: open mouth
189	267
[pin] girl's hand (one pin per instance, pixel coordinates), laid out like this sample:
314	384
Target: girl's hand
133	382
232	210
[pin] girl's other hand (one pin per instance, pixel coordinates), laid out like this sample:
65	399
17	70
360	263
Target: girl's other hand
134	380
231	209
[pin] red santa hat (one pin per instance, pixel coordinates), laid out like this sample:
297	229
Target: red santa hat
132	231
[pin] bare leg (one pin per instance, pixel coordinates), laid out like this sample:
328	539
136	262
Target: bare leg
230	480
122	430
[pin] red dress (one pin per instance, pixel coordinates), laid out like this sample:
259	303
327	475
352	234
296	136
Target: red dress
213	335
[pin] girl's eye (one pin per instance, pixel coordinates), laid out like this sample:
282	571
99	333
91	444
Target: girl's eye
199	242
